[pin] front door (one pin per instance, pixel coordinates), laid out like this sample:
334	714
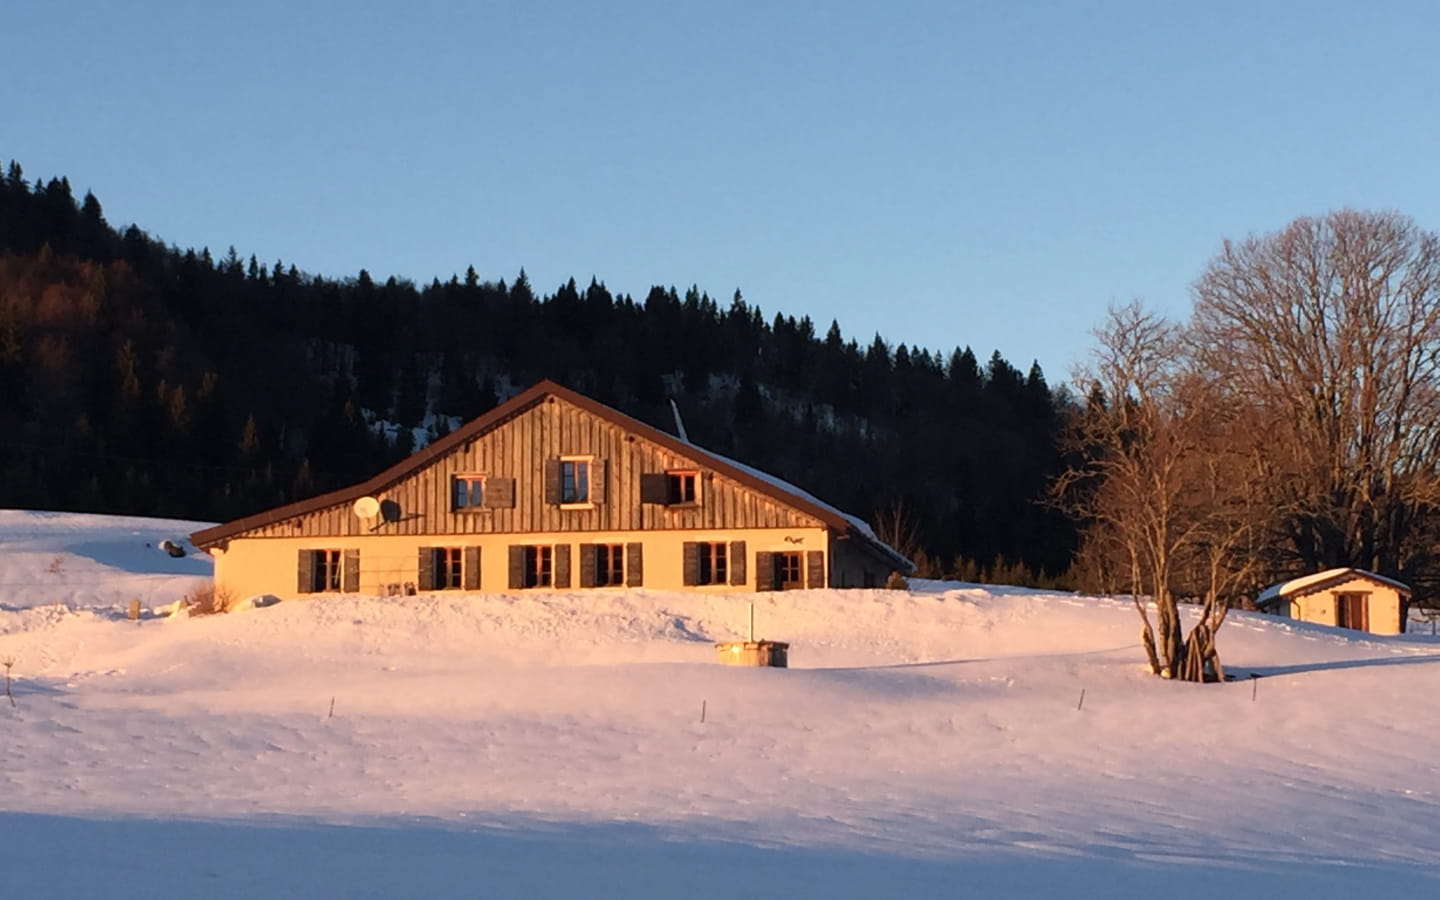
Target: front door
788	574
1352	610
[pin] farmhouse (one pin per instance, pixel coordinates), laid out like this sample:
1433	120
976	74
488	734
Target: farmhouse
551	491
1349	598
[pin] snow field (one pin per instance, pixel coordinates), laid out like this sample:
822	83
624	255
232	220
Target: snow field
926	742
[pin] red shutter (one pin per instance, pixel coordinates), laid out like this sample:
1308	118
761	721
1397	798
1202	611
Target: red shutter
634	564
691	560
815	568
764	571
472	568
587	565
305	578
737	562
552	482
562	565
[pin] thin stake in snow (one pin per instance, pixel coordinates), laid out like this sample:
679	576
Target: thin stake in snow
1081	704
332	709
1254	685
702	712
9	661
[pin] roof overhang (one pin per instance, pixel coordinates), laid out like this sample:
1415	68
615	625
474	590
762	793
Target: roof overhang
842	524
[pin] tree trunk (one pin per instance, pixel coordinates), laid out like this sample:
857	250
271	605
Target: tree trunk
1147	637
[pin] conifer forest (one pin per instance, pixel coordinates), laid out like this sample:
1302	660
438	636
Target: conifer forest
137	377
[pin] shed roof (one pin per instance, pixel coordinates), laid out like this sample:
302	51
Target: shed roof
1319	581
769	485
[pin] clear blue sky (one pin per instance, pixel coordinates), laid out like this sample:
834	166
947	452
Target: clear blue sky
992	174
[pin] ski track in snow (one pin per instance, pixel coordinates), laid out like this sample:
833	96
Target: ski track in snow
546	744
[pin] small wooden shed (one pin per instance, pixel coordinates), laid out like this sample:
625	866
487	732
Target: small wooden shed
1346	598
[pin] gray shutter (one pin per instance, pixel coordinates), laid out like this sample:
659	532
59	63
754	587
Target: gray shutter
351	575
305	577
737	562
655	488
517	566
472	568
562	565
815	568
634	565
426	569
587	565
552	481
692	562
499	493
599	480
764	571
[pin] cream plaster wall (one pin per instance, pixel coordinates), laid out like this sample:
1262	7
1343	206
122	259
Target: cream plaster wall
249	567
1384	605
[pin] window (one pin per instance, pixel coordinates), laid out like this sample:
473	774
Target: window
609	564
448	568
467	492
328	570
538	567
710	563
574	481
681	488
675	487
325	570
787	571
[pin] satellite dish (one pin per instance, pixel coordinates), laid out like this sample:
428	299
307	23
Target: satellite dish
367	507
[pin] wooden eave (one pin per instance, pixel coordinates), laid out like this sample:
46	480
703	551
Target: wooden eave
537	393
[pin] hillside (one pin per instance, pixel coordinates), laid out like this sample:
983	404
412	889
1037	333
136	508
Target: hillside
925	743
137	377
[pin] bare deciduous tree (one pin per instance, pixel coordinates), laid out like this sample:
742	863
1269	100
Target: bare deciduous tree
1164	488
1330	328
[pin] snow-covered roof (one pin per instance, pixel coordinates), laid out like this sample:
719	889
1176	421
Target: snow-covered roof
1318	580
780	484
783	490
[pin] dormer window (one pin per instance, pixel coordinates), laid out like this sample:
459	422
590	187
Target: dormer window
575	480
673	487
467	492
682	487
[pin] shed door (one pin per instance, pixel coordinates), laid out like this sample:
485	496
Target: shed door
1352	610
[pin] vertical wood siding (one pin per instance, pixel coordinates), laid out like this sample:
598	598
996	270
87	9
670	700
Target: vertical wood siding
519	448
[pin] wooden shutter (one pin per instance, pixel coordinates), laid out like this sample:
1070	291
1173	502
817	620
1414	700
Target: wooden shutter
562	565
691	559
499	493
472	568
634	564
517	566
552	481
764	571
587	565
815	568
426	569
351	574
599	480
655	488
737	562
305	576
